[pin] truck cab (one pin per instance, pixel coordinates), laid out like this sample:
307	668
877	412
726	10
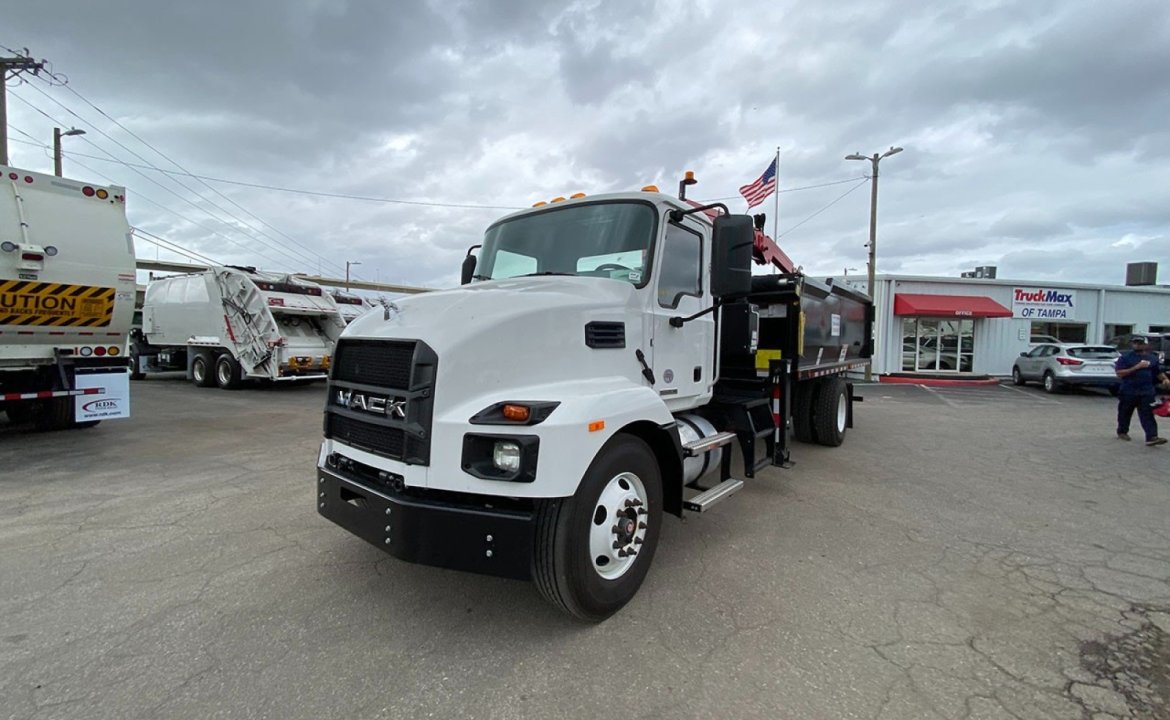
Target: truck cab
536	422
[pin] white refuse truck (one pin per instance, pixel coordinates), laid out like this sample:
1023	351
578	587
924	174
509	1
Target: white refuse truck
350	306
227	325
66	300
589	377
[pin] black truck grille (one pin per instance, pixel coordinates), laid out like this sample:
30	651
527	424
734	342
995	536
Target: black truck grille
365	436
381	398
382	363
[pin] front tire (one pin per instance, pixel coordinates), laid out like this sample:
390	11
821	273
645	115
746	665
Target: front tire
1050	384
1017	377
619	502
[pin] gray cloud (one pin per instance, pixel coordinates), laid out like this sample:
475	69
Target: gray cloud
1032	129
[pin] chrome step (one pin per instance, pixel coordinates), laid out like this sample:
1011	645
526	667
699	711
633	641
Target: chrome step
706	444
710	498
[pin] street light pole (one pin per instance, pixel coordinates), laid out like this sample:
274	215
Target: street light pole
348	263
871	270
57	135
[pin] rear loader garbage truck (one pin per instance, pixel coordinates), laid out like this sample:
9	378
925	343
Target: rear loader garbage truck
227	325
66	300
594	372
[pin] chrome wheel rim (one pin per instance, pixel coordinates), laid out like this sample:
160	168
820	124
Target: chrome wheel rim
199	371
224	373
842	412
618	527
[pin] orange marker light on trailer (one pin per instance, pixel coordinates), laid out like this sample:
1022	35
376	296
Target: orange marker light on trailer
596	425
517	413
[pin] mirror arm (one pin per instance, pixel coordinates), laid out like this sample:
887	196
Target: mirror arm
677	322
676	215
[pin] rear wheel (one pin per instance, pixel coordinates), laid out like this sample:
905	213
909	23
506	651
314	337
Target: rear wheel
593	549
802	411
832	412
227	372
201	369
1050	383
1017	376
19	411
135	365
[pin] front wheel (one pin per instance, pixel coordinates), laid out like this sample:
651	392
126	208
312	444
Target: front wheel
593	550
1050	384
1017	377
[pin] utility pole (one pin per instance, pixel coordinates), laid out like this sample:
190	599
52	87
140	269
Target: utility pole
349	263
57	135
872	269
15	65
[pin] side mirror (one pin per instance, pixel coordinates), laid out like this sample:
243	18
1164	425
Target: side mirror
468	269
732	240
1024	354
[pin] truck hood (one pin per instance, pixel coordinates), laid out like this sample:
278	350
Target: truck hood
519	331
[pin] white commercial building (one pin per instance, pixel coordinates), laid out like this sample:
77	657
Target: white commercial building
978	327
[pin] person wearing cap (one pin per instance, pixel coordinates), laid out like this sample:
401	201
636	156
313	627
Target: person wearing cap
1138	370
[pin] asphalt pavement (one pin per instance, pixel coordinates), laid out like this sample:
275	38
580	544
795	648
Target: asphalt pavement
968	553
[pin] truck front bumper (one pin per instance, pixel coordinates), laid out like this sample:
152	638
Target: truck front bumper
444	532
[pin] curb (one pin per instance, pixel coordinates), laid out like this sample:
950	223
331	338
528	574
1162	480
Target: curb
938	382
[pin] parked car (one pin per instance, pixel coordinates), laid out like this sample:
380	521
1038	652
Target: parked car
1057	366
1159	343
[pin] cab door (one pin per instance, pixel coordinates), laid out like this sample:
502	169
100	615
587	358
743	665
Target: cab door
683	357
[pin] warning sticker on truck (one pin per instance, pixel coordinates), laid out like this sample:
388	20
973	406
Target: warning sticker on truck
31	304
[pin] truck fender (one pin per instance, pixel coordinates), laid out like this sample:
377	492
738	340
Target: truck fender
667	446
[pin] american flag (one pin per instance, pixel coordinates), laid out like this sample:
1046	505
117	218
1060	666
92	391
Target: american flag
756	192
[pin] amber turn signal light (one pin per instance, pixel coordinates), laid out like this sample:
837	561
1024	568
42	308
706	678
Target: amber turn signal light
516	413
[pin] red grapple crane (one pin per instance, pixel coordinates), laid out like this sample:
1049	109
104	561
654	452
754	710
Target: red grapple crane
765	251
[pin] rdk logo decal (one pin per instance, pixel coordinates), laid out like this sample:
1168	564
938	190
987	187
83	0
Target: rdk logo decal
103	405
373	404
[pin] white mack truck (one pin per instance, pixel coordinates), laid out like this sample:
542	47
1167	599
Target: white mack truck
589	376
228	325
66	300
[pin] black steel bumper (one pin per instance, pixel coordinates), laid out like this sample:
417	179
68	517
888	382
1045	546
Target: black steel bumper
445	534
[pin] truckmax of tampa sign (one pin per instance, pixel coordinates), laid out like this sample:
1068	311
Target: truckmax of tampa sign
1038	303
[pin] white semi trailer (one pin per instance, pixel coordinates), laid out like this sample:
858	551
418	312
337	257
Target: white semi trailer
588	377
66	300
226	325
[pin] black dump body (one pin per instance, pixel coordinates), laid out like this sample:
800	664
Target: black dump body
822	327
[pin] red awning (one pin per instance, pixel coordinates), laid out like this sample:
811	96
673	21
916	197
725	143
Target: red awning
949	306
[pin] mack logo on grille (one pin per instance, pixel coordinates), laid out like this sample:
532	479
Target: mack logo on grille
373	404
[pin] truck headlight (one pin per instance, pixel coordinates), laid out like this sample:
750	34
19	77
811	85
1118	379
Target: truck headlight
506	456
511	458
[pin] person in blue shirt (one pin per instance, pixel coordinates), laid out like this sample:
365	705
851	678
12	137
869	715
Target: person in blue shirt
1138	369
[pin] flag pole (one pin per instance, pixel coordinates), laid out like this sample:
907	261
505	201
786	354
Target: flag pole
776	206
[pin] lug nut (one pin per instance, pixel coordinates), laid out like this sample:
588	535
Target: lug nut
641	526
637	541
622	553
616	544
632	552
642	511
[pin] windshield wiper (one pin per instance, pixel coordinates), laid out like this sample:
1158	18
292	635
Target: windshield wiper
547	272
480	277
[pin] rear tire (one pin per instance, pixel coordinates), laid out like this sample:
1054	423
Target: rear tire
1050	383
831	417
53	414
202	373
1017	377
135	372
19	412
228	375
802	411
569	564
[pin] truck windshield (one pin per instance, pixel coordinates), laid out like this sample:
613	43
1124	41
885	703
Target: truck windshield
602	240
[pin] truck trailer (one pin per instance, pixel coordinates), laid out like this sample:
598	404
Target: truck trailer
66	300
594	372
227	325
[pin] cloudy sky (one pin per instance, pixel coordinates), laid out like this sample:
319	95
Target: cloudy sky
1037	132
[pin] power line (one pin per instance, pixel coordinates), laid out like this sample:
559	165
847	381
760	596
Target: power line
839	198
184	171
798	189
172	246
164	187
300	257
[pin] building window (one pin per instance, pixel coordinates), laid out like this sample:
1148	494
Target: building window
938	345
1063	332
1112	330
1160	329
